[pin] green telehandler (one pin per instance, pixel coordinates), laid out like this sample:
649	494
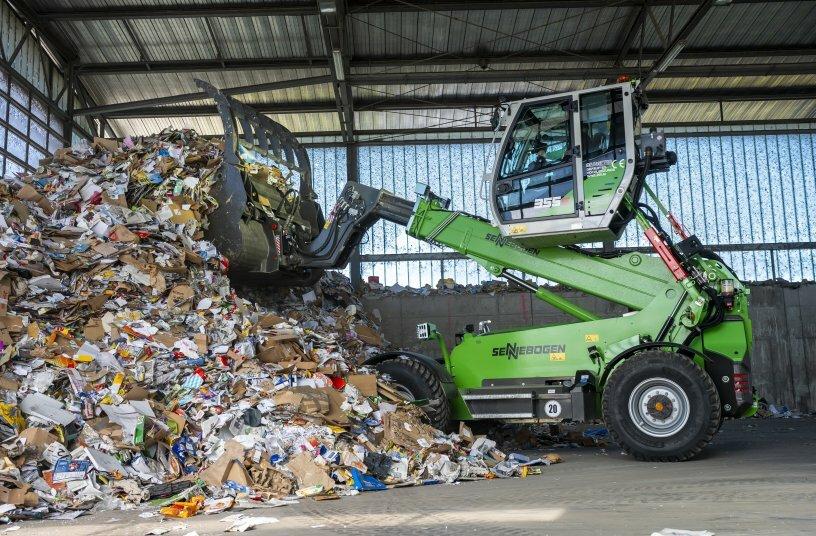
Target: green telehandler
570	169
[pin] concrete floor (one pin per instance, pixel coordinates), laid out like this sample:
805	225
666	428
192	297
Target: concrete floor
758	477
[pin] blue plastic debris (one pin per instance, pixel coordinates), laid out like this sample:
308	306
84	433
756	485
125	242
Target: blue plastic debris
364	482
183	448
235	486
596	433
66	470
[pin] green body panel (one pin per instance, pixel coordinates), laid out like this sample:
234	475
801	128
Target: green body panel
548	352
599	187
633	280
661	308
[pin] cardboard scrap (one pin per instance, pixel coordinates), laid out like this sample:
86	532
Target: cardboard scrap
121	233
366	383
28	193
465	433
63	155
403	427
304	400
368	335
175	421
282	346
335	413
94	331
230	466
37	439
181	213
105	144
12	491
268	478
181	296
270	321
5	291
308	473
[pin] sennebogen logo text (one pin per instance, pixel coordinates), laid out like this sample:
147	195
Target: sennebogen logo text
513	350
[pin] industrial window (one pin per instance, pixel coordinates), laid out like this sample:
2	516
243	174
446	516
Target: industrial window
29	128
719	189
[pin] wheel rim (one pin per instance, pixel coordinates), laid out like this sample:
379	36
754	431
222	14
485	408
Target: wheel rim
403	391
659	407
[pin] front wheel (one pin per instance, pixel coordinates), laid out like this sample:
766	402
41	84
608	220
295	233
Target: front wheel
660	406
415	380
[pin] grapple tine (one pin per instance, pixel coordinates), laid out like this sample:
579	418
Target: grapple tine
244	227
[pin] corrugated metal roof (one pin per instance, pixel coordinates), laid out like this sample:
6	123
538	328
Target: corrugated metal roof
109	89
491	32
45	5
190	38
497	33
756	25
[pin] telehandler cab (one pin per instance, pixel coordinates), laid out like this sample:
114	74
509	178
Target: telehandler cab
570	169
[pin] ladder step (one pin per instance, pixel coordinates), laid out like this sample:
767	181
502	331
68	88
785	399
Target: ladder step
497	396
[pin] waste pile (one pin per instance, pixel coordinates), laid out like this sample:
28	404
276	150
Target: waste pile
132	373
444	286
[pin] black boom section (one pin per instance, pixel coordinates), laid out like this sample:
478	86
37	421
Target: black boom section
356	210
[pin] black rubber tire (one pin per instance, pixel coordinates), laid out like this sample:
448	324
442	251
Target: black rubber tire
704	407
423	384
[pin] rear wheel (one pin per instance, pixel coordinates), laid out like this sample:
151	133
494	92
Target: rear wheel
417	381
660	406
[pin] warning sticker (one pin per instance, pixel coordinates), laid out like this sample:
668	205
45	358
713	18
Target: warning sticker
591	337
558	356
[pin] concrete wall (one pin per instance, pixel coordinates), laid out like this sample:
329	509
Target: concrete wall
784	320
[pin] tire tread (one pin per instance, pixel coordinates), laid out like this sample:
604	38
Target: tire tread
438	417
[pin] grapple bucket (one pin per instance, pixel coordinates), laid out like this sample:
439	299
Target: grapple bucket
264	194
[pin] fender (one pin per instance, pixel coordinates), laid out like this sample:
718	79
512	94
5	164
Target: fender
438	368
722	369
626	354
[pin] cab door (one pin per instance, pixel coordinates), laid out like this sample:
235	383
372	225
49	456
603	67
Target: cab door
536	175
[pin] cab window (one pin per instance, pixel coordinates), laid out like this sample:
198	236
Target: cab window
540	139
603	147
602	128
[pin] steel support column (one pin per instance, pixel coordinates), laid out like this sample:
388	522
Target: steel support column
353	175
68	125
334	35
